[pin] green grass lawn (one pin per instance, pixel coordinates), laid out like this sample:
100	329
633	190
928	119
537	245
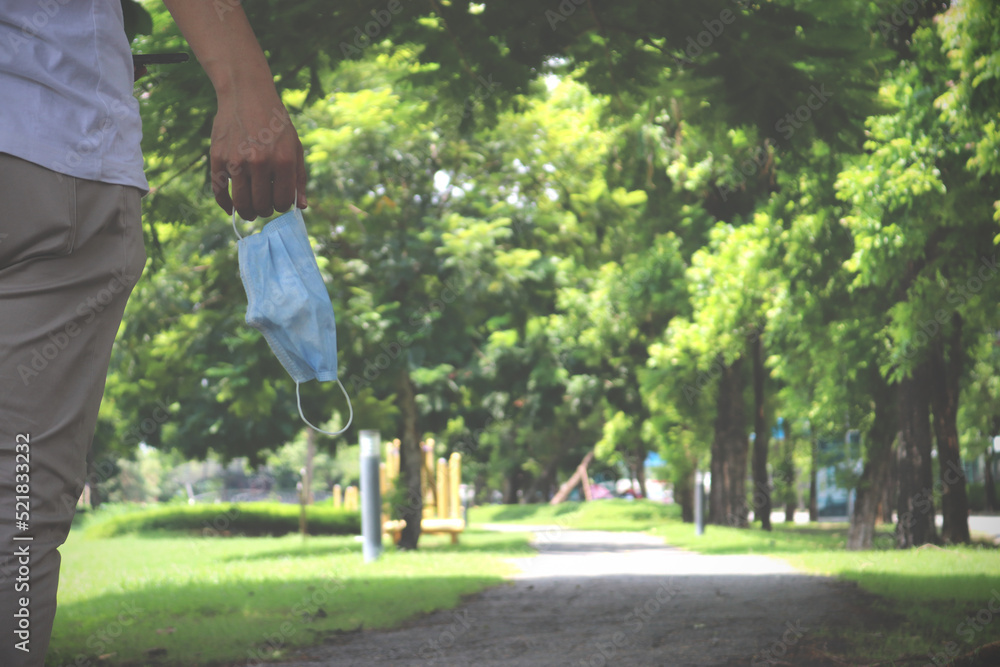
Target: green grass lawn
929	593
172	599
600	515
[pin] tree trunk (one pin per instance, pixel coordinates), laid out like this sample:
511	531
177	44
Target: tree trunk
945	369
684	496
411	460
813	464
542	485
915	506
876	473
761	440
512	483
640	469
727	501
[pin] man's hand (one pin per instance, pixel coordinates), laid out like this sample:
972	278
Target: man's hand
255	146
253	142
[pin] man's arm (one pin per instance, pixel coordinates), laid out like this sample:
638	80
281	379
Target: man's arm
253	141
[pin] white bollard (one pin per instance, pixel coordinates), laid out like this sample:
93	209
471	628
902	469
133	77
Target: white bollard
371	496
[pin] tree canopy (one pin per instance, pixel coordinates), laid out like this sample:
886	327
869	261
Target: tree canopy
623	227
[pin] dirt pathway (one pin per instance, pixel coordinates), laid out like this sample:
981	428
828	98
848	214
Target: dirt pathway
594	598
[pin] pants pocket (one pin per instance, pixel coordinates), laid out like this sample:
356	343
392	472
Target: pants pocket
37	212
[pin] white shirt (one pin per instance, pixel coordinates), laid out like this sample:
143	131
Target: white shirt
66	81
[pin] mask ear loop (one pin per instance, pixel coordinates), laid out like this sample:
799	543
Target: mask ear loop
350	407
234	225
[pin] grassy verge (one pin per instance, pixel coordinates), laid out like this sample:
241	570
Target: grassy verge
935	601
173	599
603	515
929	594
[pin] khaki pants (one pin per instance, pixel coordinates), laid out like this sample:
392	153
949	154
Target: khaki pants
71	251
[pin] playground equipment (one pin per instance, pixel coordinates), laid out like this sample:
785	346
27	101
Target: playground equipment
346	499
440	488
579	477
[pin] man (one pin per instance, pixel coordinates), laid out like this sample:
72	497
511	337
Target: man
71	248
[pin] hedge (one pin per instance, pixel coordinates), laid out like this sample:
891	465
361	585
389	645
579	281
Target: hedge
222	519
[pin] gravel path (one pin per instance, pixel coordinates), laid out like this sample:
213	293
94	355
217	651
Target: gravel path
592	598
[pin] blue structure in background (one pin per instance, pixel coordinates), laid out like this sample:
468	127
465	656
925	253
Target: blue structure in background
837	461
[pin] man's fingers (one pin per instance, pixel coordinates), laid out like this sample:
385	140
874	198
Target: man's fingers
266	167
243	196
300	179
262	191
284	189
220	186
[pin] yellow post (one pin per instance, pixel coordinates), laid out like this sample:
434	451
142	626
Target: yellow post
442	488
427	477
351	499
338	498
383	478
455	474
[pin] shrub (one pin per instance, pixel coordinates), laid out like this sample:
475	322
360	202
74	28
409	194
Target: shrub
246	519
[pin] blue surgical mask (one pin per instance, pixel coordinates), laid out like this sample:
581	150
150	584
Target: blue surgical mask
287	301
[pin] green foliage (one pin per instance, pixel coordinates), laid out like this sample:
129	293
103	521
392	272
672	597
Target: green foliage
137	19
542	232
241	519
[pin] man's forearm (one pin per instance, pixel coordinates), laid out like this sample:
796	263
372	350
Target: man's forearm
254	145
224	44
